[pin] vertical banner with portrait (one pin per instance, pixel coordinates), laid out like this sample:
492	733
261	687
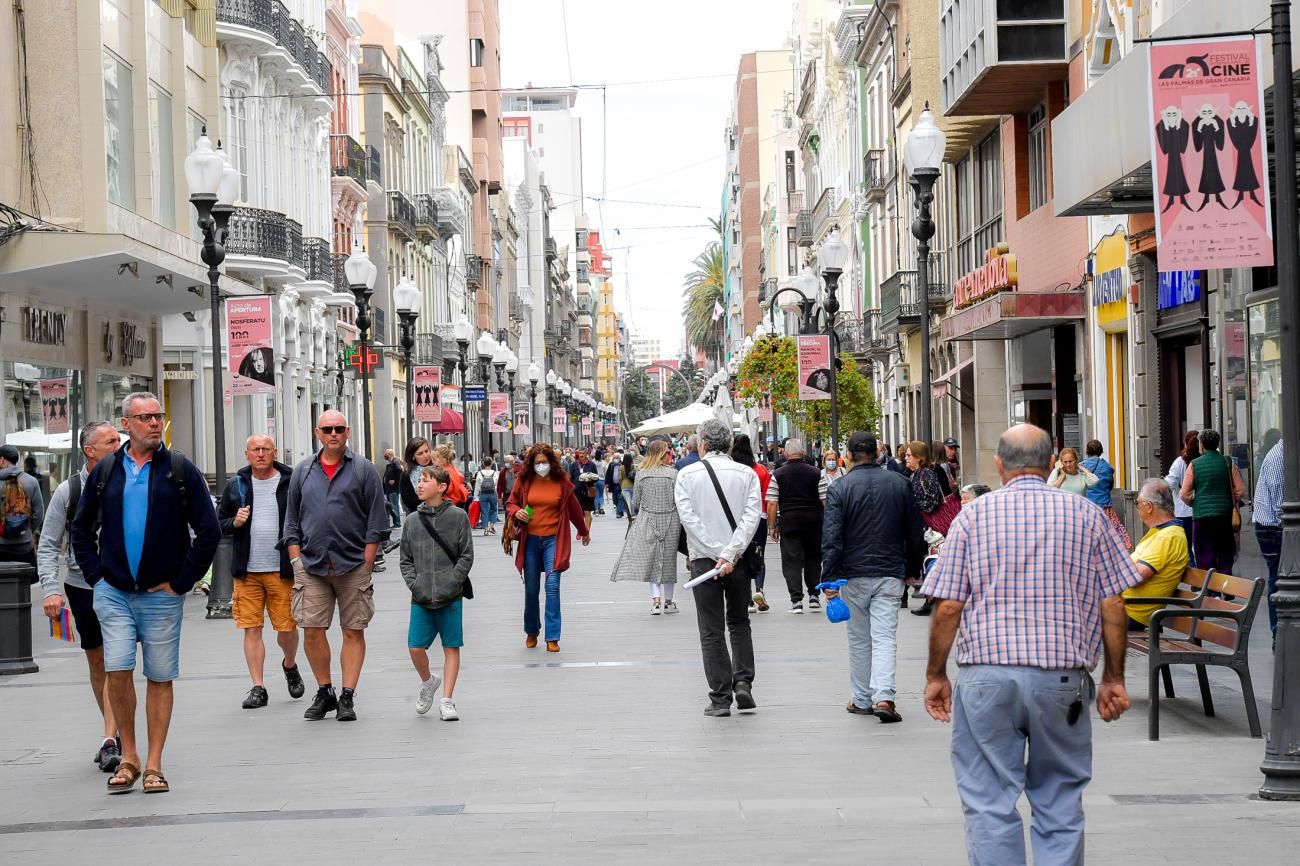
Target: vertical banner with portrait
814	367
523	427
1209	155
559	419
427	382
250	346
54	406
586	428
498	412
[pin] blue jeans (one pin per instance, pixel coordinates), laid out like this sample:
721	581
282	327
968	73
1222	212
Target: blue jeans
1270	547
600	495
873	637
395	507
152	619
487	509
618	500
997	710
539	560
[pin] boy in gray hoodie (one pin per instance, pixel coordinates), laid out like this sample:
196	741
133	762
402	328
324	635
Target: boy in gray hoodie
437	553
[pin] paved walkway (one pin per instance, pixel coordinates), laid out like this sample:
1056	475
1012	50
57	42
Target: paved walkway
599	752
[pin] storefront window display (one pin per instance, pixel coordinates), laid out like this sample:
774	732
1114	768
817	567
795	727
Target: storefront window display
26	416
1231	339
111	388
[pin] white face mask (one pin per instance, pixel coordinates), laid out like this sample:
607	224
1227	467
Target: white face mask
542	469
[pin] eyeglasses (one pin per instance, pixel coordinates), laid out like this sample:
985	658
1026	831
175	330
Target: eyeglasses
260	448
146	417
341	428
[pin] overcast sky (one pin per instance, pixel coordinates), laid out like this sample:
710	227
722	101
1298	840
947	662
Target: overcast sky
664	139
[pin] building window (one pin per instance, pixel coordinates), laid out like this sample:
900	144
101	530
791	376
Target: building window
119	126
237	130
978	188
790	184
476	52
162	151
791	250
1038	157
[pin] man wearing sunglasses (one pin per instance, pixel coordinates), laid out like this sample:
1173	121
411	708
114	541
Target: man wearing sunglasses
131	538
334	521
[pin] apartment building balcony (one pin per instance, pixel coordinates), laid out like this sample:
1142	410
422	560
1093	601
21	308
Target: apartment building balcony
429	349
264	243
824	211
449	213
996	56
474	272
267	27
401	213
878	174
863	338
348	164
375	165
900	301
552	251
318	266
426	216
518	311
794	201
766	290
804	228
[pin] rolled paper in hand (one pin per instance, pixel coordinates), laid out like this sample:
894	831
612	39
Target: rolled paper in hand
708	575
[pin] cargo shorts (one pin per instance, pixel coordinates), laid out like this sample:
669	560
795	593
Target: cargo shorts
314	597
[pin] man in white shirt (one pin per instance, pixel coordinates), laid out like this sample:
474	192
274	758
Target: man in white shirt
719	504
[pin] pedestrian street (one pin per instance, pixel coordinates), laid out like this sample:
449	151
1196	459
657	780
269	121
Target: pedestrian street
598	754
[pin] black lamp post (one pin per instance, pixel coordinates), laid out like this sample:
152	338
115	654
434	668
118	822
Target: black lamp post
407	298
361	273
463	332
534	376
832	257
486	347
923	158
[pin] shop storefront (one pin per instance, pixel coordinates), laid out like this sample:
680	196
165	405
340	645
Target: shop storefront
1111	364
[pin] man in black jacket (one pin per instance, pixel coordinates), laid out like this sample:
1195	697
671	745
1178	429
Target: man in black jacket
873	538
252	513
796	499
392	484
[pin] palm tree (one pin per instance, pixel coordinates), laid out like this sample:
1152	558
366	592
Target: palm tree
703	295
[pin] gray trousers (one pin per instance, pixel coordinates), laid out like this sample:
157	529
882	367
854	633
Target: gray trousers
722	608
997	711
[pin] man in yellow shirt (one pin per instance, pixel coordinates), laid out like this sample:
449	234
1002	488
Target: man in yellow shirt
1161	555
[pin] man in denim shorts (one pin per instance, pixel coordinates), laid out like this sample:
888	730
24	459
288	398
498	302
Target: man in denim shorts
334	519
143	493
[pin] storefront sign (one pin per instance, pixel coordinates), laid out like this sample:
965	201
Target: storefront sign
1175	288
814	367
1108	287
54	405
559	419
523	429
180	375
123	344
252	357
427	381
475	393
999	273
498	412
44	327
1208	153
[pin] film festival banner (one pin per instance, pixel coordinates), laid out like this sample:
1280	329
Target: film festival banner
558	419
523	429
248	335
586	428
1208	148
427	382
814	367
498	412
54	406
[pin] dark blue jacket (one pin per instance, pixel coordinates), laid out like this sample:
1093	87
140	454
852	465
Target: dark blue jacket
170	556
872	526
1100	493
239	492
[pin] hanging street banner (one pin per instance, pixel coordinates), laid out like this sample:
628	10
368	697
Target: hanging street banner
1209	155
450	396
54	405
427	382
558	419
498	412
586	428
523	429
814	367
765	415
251	352
612	430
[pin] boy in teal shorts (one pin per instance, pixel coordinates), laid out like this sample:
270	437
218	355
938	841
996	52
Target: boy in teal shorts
437	553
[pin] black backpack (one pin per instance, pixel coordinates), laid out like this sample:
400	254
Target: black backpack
175	474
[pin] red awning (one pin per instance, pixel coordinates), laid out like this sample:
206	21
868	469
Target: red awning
452	422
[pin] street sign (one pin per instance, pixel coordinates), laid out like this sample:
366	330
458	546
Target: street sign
475	393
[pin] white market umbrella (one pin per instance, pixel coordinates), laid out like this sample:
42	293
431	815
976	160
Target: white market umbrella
36	439
683	420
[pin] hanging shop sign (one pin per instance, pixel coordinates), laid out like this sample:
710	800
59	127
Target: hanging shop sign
1208	151
249	345
1175	288
814	367
54	405
427	382
475	393
999	273
498	412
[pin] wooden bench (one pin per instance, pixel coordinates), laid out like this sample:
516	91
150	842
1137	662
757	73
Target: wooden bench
1206	622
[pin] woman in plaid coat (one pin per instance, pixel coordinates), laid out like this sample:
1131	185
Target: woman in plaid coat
650	550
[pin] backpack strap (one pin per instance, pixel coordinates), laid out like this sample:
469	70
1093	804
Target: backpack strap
176	474
74	496
726	508
427	522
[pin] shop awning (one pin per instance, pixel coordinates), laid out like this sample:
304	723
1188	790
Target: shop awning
1013	314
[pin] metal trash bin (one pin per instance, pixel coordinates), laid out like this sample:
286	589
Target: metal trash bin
16	618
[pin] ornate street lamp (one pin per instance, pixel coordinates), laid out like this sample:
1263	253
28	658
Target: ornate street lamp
407	299
922	159
486	347
463	332
832	257
534	376
361	273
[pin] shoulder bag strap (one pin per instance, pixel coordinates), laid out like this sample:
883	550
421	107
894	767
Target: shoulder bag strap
726	508
427	522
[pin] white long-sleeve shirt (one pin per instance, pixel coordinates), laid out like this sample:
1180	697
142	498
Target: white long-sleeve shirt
708	534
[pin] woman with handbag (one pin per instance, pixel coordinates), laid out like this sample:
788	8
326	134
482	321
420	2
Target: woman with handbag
934	496
544	511
1213	486
650	550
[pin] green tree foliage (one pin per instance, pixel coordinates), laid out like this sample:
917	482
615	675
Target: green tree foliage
703	293
640	397
677	395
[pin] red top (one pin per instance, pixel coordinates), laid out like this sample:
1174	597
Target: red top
571	518
763	478
330	469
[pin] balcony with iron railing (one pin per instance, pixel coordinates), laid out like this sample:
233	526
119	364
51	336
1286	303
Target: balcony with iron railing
272	21
863	337
348	159
426	215
429	349
766	290
258	242
900	300
823	211
318	265
794	201
804	228
401	213
877	174
474	271
375	168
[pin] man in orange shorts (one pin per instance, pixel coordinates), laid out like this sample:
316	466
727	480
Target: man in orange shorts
252	512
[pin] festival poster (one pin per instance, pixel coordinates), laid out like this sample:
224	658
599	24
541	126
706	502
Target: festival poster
523	429
54	406
586	428
558	419
765	415
450	396
249	343
427	383
1209	155
498	412
814	367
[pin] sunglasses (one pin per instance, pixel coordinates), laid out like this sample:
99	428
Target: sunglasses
341	428
148	416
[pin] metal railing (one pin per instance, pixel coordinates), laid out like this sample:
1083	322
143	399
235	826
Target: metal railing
794	201
348	158
821	212
804	228
428	349
766	289
340	276
900	299
402	212
863	336
426	213
259	233
375	171
272	18
318	262
474	271
293	236
877	172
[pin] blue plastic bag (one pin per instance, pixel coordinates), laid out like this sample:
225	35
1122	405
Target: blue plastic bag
837	610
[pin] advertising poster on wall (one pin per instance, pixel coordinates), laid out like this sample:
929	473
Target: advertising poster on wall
427	382
814	367
498	412
558	419
54	406
251	352
523	429
1209	154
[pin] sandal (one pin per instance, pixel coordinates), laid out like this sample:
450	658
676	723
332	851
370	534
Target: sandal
155	783
125	778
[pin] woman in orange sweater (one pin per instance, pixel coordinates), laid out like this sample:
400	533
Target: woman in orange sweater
545	508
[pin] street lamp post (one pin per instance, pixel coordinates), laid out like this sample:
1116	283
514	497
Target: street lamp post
552	396
463	331
534	376
832	257
407	298
361	273
923	158
487	345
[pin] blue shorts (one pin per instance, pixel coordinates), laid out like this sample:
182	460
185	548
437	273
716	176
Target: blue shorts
151	619
426	625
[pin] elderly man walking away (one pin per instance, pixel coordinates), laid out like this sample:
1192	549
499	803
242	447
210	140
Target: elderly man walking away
873	537
1034	576
796	500
692	454
143	493
252	512
334	519
719	504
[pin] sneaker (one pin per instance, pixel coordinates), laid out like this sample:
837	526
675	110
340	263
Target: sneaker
346	713
294	681
256	698
753	609
760	602
447	711
814	602
109	756
670	606
324	702
745	697
656	607
428	692
717	712
797	607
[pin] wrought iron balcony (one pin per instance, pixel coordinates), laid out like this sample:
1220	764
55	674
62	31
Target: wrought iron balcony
552	252
900	300
474	272
864	337
401	213
259	233
293	234
821	213
340	276
348	158
318	262
766	289
271	18
429	349
794	201
877	173
375	171
804	228
426	215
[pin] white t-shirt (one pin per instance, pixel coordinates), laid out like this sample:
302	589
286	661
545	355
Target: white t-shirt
264	529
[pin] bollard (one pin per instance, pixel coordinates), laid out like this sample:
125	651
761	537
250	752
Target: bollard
223	585
16	618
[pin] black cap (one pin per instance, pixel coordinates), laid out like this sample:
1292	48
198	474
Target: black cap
862	443
951	442
10	453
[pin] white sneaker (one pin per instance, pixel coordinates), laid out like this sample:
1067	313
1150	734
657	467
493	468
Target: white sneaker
447	711
753	609
656	608
797	607
670	606
428	693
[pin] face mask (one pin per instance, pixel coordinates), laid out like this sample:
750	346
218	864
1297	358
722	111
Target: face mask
542	469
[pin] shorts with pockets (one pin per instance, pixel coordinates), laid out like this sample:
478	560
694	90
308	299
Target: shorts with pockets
314	597
151	619
259	594
81	602
427	625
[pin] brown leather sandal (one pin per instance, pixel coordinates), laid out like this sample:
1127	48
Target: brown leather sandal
125	778
155	782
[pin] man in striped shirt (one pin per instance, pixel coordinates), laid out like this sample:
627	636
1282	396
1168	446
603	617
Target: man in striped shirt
1033	576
